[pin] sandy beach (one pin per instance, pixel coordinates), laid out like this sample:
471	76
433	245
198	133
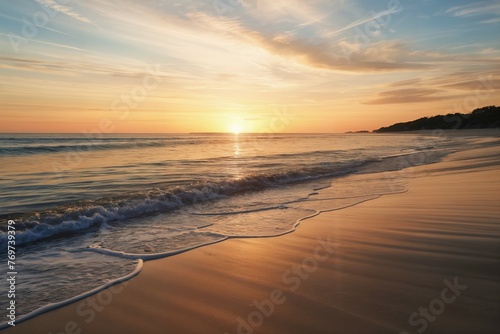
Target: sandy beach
423	261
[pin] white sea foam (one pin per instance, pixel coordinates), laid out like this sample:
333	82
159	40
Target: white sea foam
53	306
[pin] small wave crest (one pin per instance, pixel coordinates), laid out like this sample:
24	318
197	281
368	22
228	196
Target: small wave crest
78	217
86	146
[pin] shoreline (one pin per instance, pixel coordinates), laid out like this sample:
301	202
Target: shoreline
489	132
167	288
457	133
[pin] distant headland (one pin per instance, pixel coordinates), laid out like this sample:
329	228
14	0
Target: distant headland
481	118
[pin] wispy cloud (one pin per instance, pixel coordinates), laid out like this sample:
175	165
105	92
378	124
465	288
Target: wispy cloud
476	8
494	20
365	20
74	67
408	95
437	88
65	10
321	54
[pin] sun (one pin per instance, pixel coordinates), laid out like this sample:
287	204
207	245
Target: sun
236	128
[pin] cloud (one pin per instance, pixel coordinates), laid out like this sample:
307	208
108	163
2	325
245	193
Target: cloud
70	67
408	95
471	85
379	56
449	86
64	9
408	82
374	17
336	54
495	20
468	81
301	13
476	8
323	53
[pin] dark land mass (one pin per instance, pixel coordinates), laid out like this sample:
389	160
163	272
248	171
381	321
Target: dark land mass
481	118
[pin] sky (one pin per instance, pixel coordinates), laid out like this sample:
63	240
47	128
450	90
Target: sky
123	66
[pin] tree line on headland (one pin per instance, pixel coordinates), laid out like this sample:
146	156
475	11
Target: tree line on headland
481	118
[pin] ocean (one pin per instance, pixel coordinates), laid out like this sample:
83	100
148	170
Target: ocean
88	209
